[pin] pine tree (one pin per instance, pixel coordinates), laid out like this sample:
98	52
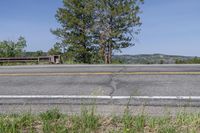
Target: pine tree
76	19
117	24
92	30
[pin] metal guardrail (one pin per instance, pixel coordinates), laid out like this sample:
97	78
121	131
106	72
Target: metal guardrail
51	59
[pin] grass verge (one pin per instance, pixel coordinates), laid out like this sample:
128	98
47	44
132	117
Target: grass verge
87	122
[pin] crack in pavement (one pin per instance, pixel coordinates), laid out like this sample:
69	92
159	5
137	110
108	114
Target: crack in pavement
113	85
114	82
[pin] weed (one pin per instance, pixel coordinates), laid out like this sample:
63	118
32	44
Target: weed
50	115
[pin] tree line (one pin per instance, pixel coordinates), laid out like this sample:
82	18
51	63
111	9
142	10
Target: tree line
9	48
195	60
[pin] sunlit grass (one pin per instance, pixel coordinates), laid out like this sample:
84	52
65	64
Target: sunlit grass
88	122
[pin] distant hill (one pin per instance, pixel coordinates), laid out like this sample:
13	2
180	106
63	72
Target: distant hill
152	59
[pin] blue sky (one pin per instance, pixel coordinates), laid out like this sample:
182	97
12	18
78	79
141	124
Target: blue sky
169	26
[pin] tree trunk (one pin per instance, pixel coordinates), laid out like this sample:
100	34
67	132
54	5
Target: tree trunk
106	59
110	53
102	47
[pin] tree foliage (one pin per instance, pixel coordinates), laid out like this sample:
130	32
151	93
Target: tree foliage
93	30
12	49
56	50
117	22
76	23
195	60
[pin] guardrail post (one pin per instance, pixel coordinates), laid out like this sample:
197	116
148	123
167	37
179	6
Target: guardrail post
38	60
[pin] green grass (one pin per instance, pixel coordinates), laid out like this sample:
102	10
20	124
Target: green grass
88	122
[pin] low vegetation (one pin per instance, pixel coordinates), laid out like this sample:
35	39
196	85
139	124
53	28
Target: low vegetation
87	122
10	48
155	59
195	60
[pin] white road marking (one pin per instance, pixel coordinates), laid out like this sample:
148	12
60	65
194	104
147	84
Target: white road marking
99	97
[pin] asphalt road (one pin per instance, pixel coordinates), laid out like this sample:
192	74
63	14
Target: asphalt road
164	81
113	80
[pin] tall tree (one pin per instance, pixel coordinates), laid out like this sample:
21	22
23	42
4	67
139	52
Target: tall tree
94	29
117	24
76	19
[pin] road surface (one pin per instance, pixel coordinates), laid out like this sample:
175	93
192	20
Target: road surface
112	80
150	85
